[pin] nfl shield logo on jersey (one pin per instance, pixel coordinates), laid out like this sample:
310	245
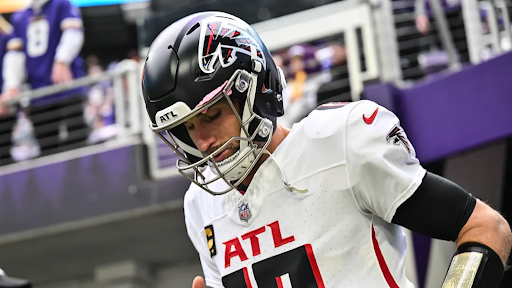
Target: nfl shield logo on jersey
244	212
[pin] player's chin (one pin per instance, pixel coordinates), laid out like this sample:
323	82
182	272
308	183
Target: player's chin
226	156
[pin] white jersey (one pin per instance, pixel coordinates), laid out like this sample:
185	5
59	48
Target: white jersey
357	166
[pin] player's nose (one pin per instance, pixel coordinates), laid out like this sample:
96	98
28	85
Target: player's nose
205	139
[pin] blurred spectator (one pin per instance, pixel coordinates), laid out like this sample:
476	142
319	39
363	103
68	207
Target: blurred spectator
99	109
24	143
422	19
304	79
91	61
422	10
133	55
432	58
488	51
331	56
45	46
5	31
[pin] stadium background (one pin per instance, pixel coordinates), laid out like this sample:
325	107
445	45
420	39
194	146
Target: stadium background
108	213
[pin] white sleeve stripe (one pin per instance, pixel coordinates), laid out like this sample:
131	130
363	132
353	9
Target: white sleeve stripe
71	23
70	45
406	194
14	70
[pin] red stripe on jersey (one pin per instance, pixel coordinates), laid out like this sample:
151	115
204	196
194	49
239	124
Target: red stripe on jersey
382	262
246	277
314	266
279	282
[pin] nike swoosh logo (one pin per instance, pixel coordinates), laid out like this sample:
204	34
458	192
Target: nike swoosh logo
370	119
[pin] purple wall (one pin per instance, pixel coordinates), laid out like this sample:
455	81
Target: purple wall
453	114
80	188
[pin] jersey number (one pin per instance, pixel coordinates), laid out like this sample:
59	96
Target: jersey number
38	33
296	268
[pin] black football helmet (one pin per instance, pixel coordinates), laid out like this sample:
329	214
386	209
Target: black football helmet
194	63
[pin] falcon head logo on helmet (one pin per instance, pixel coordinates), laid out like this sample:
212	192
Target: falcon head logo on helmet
220	42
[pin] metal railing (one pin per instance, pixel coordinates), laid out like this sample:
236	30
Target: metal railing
358	22
125	81
126	68
477	39
338	18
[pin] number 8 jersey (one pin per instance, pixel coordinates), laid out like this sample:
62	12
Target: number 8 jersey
39	35
358	167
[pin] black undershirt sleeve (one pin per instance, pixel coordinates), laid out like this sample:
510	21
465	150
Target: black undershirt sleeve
439	208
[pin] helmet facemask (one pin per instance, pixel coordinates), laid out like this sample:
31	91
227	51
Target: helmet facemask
253	142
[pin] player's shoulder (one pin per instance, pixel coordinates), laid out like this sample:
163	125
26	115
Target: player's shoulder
199	205
334	117
193	197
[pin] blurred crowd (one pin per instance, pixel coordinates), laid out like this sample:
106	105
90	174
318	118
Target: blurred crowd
307	67
40	47
433	57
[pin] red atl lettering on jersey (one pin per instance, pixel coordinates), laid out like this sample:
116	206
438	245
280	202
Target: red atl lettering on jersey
233	248
255	242
233	243
276	234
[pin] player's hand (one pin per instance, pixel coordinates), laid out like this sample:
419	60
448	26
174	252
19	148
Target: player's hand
4	109
61	73
8	95
198	282
423	24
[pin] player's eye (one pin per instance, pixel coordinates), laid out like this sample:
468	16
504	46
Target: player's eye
189	126
214	117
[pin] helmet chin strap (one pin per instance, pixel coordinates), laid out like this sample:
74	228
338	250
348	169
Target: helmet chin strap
289	187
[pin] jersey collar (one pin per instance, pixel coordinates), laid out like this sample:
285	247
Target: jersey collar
267	180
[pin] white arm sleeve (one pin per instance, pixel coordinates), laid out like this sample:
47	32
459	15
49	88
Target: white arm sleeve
13	69
196	233
382	164
70	45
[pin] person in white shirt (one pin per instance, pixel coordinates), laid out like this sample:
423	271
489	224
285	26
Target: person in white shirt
318	205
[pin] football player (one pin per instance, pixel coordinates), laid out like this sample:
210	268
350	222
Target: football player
319	205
